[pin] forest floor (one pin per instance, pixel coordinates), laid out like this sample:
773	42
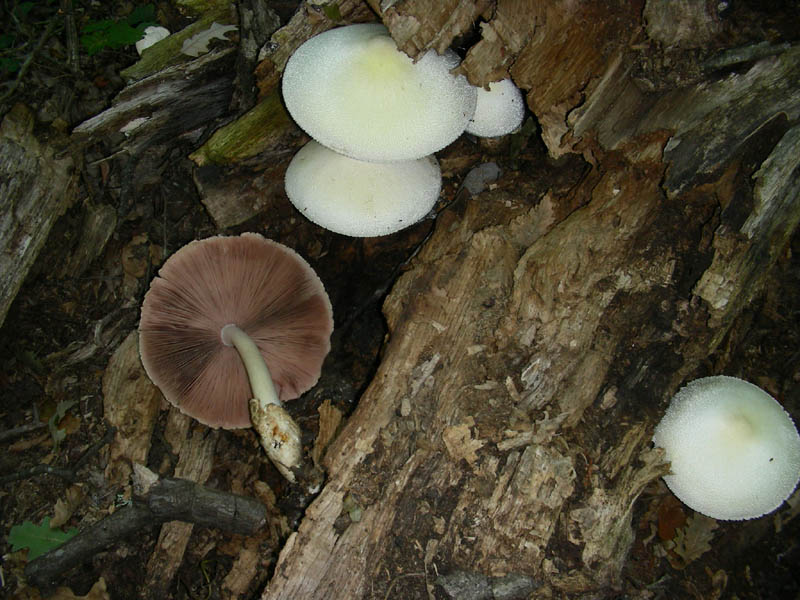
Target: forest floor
68	320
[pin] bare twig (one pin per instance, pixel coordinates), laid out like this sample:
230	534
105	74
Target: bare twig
67	474
21	430
51	25
167	500
71	34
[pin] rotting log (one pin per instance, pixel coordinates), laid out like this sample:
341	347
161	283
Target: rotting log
166	104
36	187
536	338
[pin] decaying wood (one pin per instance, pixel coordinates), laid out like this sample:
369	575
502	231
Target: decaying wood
232	195
36	186
309	20
417	25
266	128
167	104
130	404
506	434
166	500
168	52
689	23
536	338
98	226
195	460
257	23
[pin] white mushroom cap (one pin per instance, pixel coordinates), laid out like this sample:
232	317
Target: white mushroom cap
358	198
499	110
735	452
353	91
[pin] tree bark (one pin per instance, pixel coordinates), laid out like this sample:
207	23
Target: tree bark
537	338
36	187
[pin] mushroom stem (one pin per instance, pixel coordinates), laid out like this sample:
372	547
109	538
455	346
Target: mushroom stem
278	433
257	371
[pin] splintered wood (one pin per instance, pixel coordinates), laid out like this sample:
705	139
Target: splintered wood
196	458
130	404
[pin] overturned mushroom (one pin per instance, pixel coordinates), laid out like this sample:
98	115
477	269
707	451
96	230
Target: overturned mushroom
231	328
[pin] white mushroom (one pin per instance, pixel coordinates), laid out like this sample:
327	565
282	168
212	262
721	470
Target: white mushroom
358	198
499	110
353	91
735	452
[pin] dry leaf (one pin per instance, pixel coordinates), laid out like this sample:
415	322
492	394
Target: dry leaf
671	517
198	43
135	257
692	541
66	507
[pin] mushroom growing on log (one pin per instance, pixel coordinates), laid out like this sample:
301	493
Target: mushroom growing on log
354	92
359	198
230	328
507	427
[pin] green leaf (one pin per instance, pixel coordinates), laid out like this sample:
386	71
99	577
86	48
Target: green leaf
95	26
6	40
142	14
39	539
23	8
98	35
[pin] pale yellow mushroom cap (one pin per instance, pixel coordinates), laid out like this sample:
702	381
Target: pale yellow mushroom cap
353	91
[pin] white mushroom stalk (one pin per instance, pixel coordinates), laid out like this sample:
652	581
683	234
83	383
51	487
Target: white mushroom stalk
278	433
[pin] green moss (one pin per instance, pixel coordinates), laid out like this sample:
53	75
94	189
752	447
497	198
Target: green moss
167	52
263	127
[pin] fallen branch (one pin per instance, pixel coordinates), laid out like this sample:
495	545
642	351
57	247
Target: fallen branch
167	500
